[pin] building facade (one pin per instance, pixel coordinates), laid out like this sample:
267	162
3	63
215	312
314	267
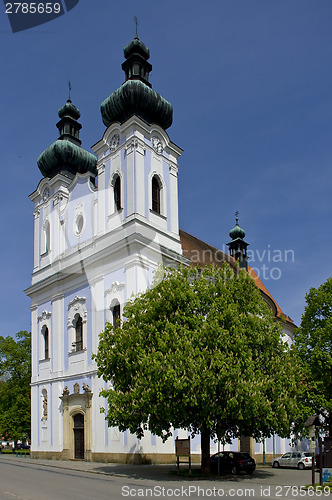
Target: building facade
102	225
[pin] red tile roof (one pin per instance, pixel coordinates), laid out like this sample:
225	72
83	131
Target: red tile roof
202	254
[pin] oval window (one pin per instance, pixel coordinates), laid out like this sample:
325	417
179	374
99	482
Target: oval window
79	224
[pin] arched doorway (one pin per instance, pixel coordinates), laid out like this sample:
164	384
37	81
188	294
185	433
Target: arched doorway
79	436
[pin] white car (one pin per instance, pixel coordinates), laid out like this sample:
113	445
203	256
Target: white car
301	460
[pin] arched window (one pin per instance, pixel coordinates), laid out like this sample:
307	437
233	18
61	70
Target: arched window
116	315
79	334
46	344
117	193
155	195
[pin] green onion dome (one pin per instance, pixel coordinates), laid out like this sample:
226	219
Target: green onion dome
66	155
138	47
237	231
135	96
69	110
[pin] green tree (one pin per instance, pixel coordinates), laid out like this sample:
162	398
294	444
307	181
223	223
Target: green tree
313	341
15	376
199	351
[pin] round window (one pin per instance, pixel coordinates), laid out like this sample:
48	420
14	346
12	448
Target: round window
79	224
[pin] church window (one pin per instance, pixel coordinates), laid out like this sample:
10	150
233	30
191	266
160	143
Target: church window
79	334
155	195
117	193
46	344
116	315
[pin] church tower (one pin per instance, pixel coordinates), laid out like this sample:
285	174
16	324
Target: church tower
103	223
238	247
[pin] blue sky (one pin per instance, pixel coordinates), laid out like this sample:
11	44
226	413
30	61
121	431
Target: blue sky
250	82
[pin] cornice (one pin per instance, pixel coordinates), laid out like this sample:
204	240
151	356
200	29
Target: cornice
101	247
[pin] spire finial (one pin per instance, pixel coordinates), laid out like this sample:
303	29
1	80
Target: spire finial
136	22
69	90
237	217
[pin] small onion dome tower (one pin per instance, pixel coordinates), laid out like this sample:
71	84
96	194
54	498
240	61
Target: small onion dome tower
65	155
135	96
238	247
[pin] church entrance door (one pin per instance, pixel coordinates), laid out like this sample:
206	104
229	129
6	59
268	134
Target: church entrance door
79	436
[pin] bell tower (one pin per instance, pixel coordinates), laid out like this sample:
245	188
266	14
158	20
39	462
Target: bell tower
137	163
238	247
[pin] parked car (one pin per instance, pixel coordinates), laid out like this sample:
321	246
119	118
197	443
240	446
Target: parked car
301	460
233	462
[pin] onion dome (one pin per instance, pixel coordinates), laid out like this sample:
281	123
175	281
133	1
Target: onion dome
238	247
237	231
65	154
135	96
69	110
138	47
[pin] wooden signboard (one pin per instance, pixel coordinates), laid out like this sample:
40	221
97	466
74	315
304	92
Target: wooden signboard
182	449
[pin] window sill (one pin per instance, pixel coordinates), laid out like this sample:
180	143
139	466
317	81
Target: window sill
116	212
45	360
72	353
157	214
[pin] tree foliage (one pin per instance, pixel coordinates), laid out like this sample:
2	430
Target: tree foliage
15	376
199	351
313	341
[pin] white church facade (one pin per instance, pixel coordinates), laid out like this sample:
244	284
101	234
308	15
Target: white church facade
102	225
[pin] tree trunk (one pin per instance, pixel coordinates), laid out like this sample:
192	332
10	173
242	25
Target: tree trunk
205	450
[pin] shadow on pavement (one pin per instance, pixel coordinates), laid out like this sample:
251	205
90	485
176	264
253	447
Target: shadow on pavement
169	473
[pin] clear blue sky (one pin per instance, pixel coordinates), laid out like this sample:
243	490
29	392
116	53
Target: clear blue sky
250	82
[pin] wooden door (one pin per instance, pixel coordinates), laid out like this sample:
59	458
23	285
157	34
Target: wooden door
79	436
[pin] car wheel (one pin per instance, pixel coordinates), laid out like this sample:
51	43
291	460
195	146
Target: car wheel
300	466
234	470
276	465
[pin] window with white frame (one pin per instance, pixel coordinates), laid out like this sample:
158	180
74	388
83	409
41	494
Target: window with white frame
46	339
117	193
116	313
156	192
77	321
78	333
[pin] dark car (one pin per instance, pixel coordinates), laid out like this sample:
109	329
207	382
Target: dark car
233	462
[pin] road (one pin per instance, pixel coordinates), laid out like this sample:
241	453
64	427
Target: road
29	480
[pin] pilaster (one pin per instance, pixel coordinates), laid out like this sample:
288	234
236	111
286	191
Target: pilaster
101	210
57	333
36	243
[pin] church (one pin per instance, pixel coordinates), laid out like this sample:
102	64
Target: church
103	222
